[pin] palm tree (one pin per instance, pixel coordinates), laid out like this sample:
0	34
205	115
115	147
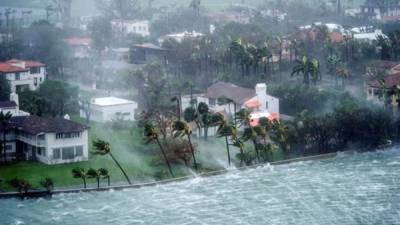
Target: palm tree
94	174
103	148
344	74
280	136
195	5
310	69
80	173
151	134
250	134
180	128
237	142
21	185
226	130
4	121
105	175
315	71
48	184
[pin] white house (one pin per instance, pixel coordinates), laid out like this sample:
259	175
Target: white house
80	46
110	109
49	141
256	100
367	34
179	37
140	27
23	74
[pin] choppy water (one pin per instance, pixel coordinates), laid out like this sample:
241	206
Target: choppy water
360	189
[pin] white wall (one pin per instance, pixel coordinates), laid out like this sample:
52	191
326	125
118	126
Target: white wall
109	113
131	27
26	78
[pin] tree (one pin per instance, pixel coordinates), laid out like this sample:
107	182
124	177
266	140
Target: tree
308	68
101	33
195	5
94	174
226	130
4	121
103	148
105	175
180	128
80	173
48	184
151	134
21	185
280	135
4	89
178	106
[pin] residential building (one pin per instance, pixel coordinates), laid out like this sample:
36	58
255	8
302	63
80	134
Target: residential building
387	12
23	74
125	27
147	52
367	35
12	106
256	100
387	84
80	46
49	141
179	37
230	16
111	109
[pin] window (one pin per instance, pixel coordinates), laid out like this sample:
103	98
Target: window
79	151
17	76
266	105
212	101
35	81
68	153
68	135
43	151
34	70
9	148
56	153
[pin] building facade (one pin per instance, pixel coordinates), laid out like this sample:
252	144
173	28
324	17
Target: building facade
23	75
110	109
125	27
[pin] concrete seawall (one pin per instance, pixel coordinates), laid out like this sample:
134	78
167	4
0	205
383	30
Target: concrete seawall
35	194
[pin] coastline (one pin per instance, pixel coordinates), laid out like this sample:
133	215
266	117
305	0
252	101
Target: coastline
42	193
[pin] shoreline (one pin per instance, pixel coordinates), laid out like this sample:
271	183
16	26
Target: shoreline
42	193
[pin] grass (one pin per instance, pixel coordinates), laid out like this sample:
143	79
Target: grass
127	146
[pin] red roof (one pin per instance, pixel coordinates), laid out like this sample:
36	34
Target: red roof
75	41
11	66
390	81
336	37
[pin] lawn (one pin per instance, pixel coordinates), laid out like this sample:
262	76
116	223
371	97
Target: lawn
127	146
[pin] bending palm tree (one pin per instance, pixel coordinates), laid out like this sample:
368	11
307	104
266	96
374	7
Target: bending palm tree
181	128
151	134
226	130
94	174
4	120
80	173
103	148
237	142
105	175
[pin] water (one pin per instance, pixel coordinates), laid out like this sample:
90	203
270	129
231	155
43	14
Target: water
360	189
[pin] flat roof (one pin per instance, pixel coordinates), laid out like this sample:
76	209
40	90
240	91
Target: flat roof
111	101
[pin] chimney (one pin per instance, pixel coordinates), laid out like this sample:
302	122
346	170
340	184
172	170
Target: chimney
261	92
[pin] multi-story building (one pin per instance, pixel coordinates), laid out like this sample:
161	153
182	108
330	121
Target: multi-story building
23	75
125	27
256	100
49	141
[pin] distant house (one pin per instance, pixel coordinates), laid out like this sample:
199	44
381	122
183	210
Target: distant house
125	27
49	141
81	46
110	109
147	52
377	68
179	37
23	75
388	83
386	12
12	106
367	35
230	16
255	100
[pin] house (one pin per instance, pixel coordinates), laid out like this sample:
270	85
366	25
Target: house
179	37
257	100
388	83
125	27
110	109
376	68
23	74
386	12
80	46
367	35
12	106
147	52
230	16
49	141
